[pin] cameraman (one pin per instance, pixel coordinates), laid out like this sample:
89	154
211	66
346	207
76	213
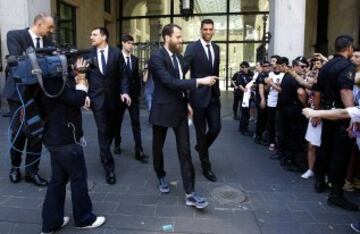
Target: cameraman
63	137
37	36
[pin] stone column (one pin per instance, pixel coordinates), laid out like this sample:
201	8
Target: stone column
287	27
17	14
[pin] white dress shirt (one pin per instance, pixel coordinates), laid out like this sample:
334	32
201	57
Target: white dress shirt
179	64
34	36
106	53
204	43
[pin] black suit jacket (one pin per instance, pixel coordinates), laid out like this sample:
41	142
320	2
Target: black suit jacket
105	89
169	105
17	42
196	60
133	76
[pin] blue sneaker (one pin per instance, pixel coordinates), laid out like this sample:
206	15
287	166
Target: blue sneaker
163	186
196	200
356	227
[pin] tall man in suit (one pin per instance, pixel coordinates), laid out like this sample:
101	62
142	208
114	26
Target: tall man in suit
107	85
202	58
37	36
170	108
131	64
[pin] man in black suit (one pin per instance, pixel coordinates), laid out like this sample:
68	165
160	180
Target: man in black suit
37	36
131	64
170	109
107	85
202	58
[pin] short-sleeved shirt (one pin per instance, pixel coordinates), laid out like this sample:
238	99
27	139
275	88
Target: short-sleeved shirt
336	74
241	78
288	94
273	93
260	79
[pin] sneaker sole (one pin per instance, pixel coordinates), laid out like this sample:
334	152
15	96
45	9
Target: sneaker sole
188	203
354	228
164	190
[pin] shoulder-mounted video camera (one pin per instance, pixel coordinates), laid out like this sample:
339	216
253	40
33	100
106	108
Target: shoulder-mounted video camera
38	65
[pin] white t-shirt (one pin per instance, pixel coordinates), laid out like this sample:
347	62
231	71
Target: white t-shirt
273	93
354	113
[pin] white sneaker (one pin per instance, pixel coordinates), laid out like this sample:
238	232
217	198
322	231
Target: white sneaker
100	220
308	174
65	222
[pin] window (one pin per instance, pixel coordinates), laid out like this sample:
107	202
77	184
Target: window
107	6
66	28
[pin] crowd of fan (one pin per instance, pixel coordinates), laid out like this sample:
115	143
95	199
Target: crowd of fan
272	95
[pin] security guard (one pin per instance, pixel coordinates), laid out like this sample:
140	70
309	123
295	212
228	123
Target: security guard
237	93
335	83
242	79
260	99
292	98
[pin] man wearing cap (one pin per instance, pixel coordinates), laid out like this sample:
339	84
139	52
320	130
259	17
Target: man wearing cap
292	98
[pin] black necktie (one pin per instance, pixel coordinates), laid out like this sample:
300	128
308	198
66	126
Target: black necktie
37	42
176	66
209	54
128	64
103	62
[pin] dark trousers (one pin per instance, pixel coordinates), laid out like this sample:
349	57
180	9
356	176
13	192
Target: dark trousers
294	128
271	114
207	125
67	164
244	119
105	122
237	99
135	123
334	153
261	121
33	148
183	149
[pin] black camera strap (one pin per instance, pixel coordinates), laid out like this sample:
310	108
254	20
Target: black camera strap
36	70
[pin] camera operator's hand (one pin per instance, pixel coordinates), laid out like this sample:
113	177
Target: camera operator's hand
81	65
126	99
87	103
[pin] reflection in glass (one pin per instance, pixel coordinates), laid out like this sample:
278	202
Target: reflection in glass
149	7
254	5
247	27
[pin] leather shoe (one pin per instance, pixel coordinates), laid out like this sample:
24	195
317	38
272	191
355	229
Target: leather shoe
140	156
117	149
110	177
209	174
14	175
36	179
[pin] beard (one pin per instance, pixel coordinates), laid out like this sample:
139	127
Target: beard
175	48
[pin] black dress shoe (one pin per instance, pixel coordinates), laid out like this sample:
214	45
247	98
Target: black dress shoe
14	175
117	149
209	174
140	156
110	177
36	179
